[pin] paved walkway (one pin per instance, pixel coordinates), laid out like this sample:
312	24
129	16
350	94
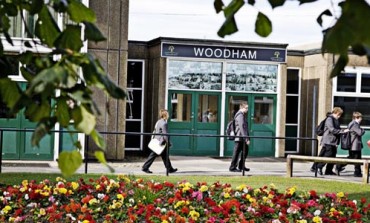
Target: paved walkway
187	165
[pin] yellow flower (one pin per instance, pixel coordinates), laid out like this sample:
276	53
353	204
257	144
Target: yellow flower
194	215
62	190
42	211
60	179
241	187
75	185
317	219
226	195
85	221
340	195
93	201
97	187
301	221
12	219
203	188
165	221
24	183
6	209
291	190
120	196
179	204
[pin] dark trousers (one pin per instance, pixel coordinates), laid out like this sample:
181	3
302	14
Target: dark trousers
152	157
327	151
235	160
353	155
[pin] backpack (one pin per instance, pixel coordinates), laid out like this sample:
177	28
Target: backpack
230	130
345	140
320	129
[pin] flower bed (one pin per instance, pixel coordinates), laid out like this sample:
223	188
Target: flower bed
125	200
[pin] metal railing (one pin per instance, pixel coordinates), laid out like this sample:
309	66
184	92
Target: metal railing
87	138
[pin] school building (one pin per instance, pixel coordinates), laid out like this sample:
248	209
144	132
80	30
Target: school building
201	82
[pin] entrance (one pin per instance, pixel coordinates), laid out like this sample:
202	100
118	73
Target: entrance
194	113
261	119
17	145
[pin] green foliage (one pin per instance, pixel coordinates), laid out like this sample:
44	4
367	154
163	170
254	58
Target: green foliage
350	32
64	69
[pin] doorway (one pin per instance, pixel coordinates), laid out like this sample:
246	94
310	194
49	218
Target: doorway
261	118
194	113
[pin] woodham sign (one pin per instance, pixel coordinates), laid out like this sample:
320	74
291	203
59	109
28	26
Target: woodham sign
220	52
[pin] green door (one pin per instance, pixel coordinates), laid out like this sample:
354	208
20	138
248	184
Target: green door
194	113
261	119
17	144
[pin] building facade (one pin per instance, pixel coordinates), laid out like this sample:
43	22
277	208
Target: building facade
201	82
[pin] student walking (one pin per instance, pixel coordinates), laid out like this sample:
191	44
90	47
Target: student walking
330	140
160	127
356	132
241	137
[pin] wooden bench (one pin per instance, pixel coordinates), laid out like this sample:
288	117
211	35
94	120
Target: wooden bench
291	158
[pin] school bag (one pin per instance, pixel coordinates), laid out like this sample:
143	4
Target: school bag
230	130
320	129
345	140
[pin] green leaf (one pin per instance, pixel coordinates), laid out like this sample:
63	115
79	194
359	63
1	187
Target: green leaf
10	93
62	112
339	65
36	6
70	38
84	121
69	162
276	3
52	76
37	112
99	155
306	1
98	139
263	25
78	12
229	27
218	4
251	2
40	131
233	8
46	28
93	33
350	29
319	18
94	74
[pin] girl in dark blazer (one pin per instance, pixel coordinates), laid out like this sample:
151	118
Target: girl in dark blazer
160	127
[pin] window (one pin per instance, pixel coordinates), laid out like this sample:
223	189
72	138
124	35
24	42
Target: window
251	77
351	92
292	109
194	75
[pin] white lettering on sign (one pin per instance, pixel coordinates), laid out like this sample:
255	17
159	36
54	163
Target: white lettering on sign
225	53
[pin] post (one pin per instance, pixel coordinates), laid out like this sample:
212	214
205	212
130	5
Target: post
86	152
168	155
243	155
365	179
289	166
314	145
1	148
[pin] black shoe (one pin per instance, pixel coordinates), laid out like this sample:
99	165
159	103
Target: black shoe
235	170
146	171
358	175
340	169
172	170
245	169
313	170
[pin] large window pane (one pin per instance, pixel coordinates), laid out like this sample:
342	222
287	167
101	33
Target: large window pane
292	81
234	105
291	144
251	77
181	107
208	106
365	83
194	75
263	109
292	109
351	104
346	82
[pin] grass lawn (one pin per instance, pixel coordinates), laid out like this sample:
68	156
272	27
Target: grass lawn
354	190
